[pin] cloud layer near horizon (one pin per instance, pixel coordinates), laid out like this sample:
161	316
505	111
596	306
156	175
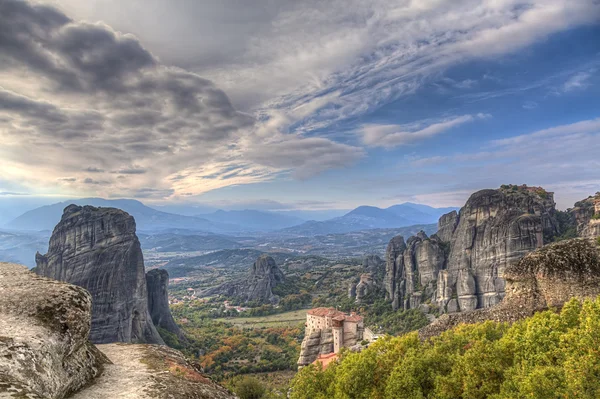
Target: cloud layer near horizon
85	109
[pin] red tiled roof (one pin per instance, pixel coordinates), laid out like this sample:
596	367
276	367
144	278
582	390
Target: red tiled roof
322	312
334	314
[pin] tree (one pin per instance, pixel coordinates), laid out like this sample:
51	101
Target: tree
250	388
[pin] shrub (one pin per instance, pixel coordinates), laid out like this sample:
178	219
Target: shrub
250	388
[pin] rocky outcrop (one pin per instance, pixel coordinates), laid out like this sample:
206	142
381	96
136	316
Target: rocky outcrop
394	270
264	276
257	286
446	226
315	343
370	281
44	327
150	372
97	249
586	214
461	267
158	301
416	270
546	278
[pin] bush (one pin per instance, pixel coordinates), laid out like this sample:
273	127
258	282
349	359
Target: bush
250	388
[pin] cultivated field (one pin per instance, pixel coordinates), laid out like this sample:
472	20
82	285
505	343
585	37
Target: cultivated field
292	318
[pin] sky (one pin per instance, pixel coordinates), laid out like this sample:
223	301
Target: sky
298	104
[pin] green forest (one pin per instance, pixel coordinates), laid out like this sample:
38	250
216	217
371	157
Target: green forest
549	355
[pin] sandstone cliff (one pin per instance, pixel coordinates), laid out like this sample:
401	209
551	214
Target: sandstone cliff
586	215
264	275
44	327
546	278
316	343
461	267
370	281
97	249
158	301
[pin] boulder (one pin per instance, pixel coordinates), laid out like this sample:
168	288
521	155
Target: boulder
97	249
44	329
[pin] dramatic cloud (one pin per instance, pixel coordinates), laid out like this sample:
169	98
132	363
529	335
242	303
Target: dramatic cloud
90	109
80	98
395	135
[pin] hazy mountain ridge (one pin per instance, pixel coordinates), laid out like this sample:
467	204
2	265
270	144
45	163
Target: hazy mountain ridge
370	217
147	219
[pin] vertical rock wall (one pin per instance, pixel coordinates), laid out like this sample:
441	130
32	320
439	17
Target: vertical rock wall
461	267
97	249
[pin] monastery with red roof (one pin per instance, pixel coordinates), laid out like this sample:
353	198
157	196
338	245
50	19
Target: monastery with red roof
327	331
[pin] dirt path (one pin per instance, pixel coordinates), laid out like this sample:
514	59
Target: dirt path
127	378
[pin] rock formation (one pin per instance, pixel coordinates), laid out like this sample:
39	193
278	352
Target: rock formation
257	287
97	249
370	281
44	327
318	342
158	301
461	267
264	276
586	214
150	372
546	278
45	351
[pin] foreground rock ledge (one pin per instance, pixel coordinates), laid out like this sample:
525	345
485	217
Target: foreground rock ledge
44	328
142	371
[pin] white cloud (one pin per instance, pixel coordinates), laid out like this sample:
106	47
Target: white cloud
395	135
577	81
562	158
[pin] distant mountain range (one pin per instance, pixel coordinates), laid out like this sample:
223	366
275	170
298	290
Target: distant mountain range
254	220
370	217
146	218
150	220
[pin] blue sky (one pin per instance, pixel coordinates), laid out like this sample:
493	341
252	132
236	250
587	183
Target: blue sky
300	104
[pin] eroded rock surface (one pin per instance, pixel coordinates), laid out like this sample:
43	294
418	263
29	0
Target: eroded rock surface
546	278
44	327
461	267
158	301
315	343
97	249
150	372
257	286
587	216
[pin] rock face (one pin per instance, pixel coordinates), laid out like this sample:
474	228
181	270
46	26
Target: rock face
315	343
587	216
44	327
97	249
150	372
546	278
461	267
370	281
257	287
264	276
158	301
